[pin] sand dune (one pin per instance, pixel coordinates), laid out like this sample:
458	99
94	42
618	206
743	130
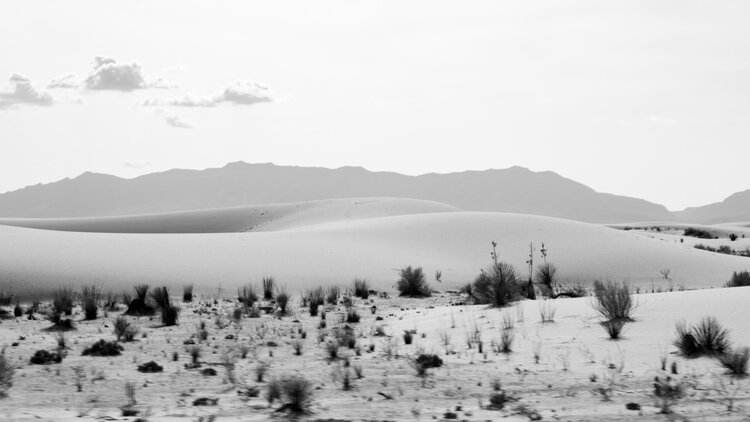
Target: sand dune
457	243
269	217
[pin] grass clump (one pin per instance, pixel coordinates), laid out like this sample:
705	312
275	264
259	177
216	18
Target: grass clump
91	295
739	279
282	300
268	284
6	375
735	361
124	329
707	338
496	285
332	295
412	282
613	300
297	393
169	313
187	293
247	296
361	288
103	348
139	306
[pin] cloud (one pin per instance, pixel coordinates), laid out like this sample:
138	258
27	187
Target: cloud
178	122
240	92
66	81
110	75
24	92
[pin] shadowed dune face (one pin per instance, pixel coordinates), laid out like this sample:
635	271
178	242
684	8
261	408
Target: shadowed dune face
456	243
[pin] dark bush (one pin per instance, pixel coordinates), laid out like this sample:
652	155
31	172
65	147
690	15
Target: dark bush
544	275
701	234
732	237
268	284
412	283
123	328
17	311
613	327
187	293
408	336
352	316
297	393
247	296
103	348
150	367
62	300
736	361
332	294
139	306
282	300
496	285
91	295
739	279
707	337
169	313
361	288
613	300
429	361
43	357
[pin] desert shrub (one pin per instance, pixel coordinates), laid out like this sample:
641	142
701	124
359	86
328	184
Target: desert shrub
736	361
18	310
44	357
613	328
361	288
123	328
412	282
260	371
352	316
613	300
282	299
247	296
62	300
332	349
429	360
408	336
701	234
496	285
574	289
332	294
297	393
739	279
667	393
103	348
268	284
506	340
732	237
297	346
707	337
109	300
6	375
6	295
273	390
195	354
187	293
169	313
544	275
150	367
139	306
91	295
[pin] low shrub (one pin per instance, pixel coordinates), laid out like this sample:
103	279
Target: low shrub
352	316
332	295
613	300
273	390
169	313
187	293
91	296
408	336
62	300
700	234
282	300
297	393
103	348
739	279
613	328
361	288
412	283
44	357
268	284
139	306
496	285
6	375
247	296
150	367
707	337
736	361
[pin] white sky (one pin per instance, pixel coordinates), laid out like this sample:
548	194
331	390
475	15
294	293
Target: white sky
642	98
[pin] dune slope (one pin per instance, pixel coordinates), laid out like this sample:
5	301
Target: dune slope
456	243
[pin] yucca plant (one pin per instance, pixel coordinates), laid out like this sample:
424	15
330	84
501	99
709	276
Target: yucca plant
268	284
412	282
91	295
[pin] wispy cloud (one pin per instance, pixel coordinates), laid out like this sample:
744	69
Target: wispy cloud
240	92
22	91
178	122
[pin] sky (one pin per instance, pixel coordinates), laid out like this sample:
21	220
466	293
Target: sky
649	99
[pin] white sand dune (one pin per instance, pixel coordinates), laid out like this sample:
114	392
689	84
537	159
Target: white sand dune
268	217
457	243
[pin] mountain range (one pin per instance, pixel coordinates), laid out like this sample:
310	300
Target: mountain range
516	189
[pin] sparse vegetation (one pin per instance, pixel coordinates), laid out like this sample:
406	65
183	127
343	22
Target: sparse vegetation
361	288
282	300
739	279
613	300
667	393
169	312
412	283
187	293
91	296
332	295
247	296
269	285
735	361
707	338
6	375
700	234
103	348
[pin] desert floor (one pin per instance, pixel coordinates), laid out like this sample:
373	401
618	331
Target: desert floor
581	375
